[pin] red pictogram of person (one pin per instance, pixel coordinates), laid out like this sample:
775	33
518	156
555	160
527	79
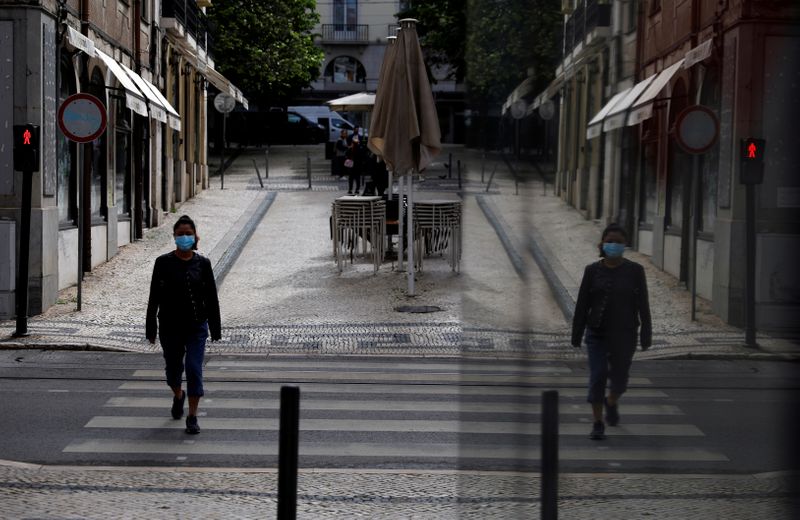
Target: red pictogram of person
26	137
751	151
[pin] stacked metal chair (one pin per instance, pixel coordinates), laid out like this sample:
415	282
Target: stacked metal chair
437	229
358	220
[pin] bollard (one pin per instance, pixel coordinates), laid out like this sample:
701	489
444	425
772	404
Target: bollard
483	167
266	161
288	435
258	174
450	166
491	178
549	455
459	174
308	168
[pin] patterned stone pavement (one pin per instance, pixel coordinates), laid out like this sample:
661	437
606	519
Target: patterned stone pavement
28	492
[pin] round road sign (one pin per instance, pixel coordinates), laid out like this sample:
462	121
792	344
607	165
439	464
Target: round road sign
547	110
224	102
82	118
696	129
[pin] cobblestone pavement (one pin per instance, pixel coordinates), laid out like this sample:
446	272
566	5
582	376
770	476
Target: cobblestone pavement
28	492
300	303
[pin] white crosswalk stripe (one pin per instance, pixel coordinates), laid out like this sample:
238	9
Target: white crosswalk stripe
389	412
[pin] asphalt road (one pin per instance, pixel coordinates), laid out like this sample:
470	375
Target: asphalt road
89	408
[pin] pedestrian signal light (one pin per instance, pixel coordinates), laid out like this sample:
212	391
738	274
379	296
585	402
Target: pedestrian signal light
753	150
26	148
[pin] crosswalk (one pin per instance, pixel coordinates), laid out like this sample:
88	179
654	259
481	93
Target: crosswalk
391	413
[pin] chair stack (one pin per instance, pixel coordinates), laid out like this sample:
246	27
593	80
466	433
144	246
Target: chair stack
437	229
359	220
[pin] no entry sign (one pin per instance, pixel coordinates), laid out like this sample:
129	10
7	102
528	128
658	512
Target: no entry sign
82	118
697	129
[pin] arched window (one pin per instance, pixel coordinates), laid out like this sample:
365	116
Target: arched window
66	196
345	69
99	194
711	97
679	167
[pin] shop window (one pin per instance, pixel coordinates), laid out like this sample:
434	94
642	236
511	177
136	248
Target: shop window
345	69
98	192
122	160
66	194
710	97
679	167
649	193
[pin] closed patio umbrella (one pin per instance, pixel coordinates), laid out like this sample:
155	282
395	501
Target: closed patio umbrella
359	102
405	127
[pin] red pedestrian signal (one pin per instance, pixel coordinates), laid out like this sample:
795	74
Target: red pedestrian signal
26	148
753	150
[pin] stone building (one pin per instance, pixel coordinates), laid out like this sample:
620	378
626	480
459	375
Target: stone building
353	36
619	160
148	63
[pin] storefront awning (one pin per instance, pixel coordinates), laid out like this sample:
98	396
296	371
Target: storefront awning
519	92
157	110
173	117
80	42
595	126
700	53
223	85
133	96
618	115
643	108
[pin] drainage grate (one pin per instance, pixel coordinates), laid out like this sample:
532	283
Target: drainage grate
418	308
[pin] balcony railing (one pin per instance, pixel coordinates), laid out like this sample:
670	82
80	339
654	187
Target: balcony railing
345	33
587	16
191	17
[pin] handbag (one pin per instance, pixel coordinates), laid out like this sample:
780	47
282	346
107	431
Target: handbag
348	163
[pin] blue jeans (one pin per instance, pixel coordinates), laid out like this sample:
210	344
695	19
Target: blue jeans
191	343
606	363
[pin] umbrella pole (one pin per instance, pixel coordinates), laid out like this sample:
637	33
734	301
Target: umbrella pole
410	264
400	223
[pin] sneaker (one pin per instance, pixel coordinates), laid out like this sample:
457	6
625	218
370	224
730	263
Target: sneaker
192	427
598	431
177	405
349	192
612	414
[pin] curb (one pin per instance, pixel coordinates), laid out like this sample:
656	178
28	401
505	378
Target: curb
513	254
232	252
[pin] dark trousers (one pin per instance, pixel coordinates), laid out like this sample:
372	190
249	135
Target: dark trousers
188	343
609	364
353	175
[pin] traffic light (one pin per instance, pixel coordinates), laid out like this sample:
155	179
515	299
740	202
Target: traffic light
751	158
26	148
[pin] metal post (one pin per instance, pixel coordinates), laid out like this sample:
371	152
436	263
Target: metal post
308	168
410	264
695	216
79	188
483	166
450	166
222	160
258	174
24	256
459	174
750	275
266	161
549	455
491	178
401	222
288	436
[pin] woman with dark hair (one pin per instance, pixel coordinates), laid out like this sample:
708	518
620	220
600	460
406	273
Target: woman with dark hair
612	304
182	307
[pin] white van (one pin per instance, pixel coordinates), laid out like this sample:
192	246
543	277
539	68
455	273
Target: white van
336	123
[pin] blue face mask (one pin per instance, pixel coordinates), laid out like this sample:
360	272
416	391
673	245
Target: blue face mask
613	249
184	242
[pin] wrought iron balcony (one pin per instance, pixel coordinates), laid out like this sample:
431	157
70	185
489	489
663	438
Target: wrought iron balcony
191	18
345	33
587	16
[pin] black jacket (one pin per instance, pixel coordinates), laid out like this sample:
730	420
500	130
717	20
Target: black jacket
614	302
182	291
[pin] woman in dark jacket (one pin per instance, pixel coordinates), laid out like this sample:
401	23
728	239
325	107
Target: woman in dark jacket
612	305
183	298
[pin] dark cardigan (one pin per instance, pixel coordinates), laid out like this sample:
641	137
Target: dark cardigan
613	302
182	292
